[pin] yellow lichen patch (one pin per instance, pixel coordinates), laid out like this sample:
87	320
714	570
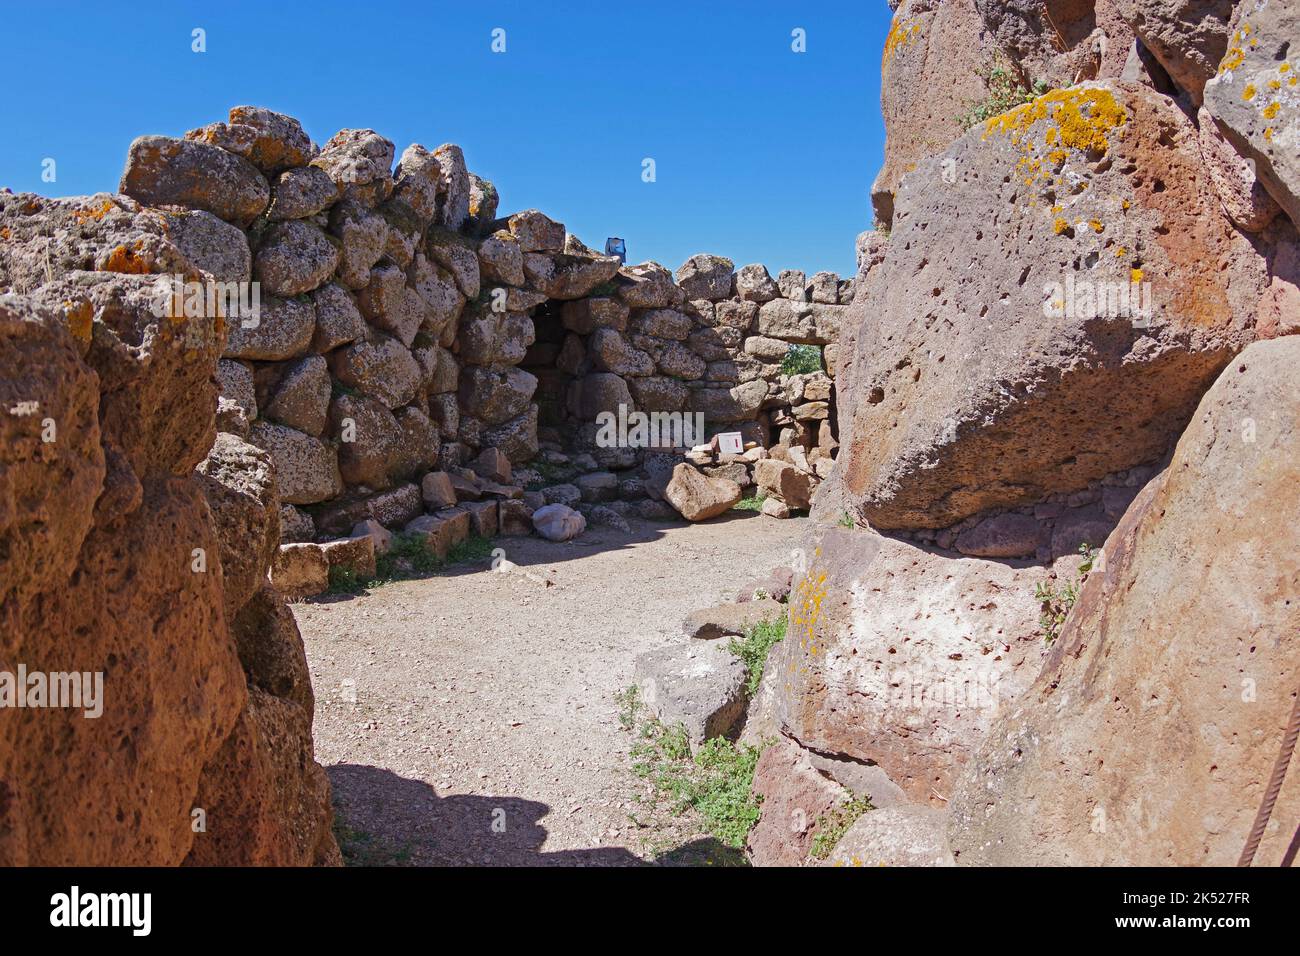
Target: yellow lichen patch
1275	84
1249	92
1060	226
1271	110
1096	225
4	234
1284	68
1136	275
1084	118
901	32
806	607
95	213
1235	53
1125	204
1268	133
126	260
1120	252
80	318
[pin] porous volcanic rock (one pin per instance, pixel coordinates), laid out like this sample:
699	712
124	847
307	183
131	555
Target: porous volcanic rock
1150	735
997	355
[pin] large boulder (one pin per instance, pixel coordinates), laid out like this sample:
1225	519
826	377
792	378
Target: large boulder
1253	96
696	496
699	686
136	565
1003	356
239	484
306	468
162	171
902	657
1187	37
1150	735
270	141
929	76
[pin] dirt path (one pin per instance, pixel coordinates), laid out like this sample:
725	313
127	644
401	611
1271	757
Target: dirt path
485	701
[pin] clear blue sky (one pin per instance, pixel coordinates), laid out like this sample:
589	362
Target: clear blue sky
762	154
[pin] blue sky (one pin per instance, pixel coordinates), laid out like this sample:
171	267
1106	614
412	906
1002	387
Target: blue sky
761	154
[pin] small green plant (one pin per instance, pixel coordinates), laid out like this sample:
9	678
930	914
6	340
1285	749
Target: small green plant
1005	93
830	828
716	784
474	548
409	555
345	581
752	503
338	389
846	520
360	848
801	359
1056	602
753	648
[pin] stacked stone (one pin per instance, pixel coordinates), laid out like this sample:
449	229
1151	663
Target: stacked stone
405	332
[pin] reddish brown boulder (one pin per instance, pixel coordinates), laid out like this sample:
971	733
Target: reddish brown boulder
1150	735
1050	317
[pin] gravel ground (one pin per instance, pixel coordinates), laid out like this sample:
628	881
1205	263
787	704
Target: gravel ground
470	717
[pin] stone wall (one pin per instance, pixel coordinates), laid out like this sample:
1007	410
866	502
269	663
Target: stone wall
411	341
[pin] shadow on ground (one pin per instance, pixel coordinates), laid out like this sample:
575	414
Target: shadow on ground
383	819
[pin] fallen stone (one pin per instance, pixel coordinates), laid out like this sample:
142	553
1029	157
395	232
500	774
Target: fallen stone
698	497
515	517
380	537
558	522
784	480
909	835
698	686
300	571
796	800
731	620
437	490
356	553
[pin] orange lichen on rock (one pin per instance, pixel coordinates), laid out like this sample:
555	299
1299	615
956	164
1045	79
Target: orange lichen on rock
127	260
80	316
806	608
94	213
901	32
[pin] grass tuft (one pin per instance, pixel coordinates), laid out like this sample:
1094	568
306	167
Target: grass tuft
830	828
716	784
754	646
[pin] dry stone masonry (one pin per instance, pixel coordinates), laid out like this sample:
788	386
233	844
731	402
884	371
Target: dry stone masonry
425	366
